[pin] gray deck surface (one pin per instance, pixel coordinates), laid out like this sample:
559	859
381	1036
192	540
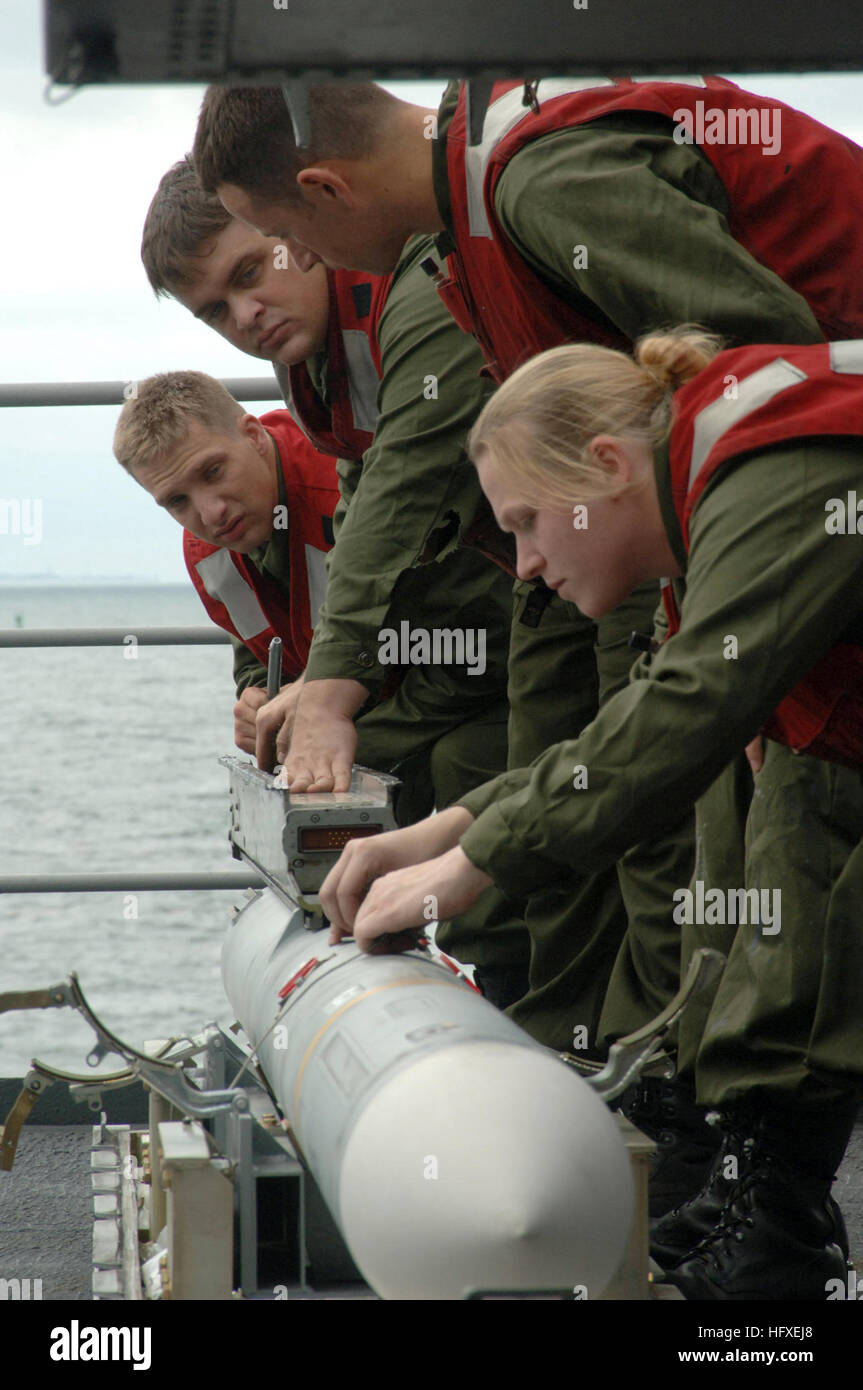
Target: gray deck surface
46	1211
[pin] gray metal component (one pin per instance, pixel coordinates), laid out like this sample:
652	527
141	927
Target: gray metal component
628	1057
270	826
200	1214
128	880
430	1121
274	668
258	1149
113	41
116	1267
159	1112
162	1074
114	637
54	997
64	393
174	1087
296	97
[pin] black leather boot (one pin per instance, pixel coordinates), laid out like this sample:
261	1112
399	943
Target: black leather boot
675	1235
686	1145
777	1238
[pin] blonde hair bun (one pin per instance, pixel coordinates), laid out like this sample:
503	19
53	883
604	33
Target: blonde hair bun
539	424
674	358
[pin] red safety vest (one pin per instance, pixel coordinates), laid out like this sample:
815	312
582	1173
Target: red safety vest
247	603
347	428
747	400
798	211
354	369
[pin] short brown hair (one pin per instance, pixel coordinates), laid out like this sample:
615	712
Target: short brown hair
180	221
245	135
158	414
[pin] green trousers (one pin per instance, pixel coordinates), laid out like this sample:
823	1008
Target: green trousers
787	1016
561	669
438	750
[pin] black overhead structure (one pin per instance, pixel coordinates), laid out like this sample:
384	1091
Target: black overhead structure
274	41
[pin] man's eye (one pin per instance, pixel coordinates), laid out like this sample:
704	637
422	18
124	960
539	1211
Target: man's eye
214	313
213	472
174	504
249	274
525	523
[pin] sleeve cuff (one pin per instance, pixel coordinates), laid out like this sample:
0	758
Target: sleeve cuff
351	662
490	845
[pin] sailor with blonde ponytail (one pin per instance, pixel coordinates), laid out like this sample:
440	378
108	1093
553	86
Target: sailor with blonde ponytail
566	396
733	491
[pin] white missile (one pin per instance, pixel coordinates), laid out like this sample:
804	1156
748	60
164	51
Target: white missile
456	1155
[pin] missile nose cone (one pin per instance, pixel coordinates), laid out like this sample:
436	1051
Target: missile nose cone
483	1167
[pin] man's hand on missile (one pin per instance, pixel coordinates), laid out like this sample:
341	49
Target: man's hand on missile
363	861
273	725
245	717
324	739
400	900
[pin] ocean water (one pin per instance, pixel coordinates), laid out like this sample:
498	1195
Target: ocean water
111	763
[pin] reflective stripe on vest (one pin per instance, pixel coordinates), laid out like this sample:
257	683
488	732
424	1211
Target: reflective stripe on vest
363	379
693	80
223	581
501	117
504	115
847	356
316	569
754	391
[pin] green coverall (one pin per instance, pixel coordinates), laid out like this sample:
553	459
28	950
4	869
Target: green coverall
397	558
787	1017
652	215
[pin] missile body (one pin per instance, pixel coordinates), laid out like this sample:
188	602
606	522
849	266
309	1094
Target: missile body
455	1154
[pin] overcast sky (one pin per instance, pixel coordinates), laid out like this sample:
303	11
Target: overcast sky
77	180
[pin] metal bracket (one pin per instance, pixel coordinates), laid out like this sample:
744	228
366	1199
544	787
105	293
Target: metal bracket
55	997
163	1075
628	1056
477	96
294	840
20	1111
295	94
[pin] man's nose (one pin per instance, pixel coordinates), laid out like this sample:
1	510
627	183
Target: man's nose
246	310
212	509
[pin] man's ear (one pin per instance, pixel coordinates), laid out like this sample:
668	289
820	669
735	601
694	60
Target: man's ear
613	457
323	182
251	427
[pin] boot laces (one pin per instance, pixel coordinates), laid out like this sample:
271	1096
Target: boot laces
738	1213
733	1140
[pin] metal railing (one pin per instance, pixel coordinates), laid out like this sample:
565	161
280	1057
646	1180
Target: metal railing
131	880
113	636
39	393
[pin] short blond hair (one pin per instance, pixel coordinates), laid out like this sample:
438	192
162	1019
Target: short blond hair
539	424
158	414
